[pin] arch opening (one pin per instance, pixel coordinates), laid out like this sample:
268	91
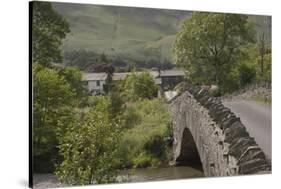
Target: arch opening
189	155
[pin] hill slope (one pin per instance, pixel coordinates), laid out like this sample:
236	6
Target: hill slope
136	32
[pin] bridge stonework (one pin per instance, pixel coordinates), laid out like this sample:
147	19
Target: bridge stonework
203	127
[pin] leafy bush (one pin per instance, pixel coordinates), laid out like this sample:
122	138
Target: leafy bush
156	146
89	149
139	86
146	141
247	75
145	159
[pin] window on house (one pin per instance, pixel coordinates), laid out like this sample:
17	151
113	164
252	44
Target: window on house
98	83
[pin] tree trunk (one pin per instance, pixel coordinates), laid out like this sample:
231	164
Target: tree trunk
91	176
262	49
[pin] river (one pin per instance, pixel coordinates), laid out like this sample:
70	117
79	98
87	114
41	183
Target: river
132	175
158	174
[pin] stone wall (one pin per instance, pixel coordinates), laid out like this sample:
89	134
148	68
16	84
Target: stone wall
250	92
203	126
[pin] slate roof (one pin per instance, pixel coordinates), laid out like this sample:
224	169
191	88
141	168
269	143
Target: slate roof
122	75
94	76
167	73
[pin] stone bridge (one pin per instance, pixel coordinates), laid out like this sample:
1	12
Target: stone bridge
205	130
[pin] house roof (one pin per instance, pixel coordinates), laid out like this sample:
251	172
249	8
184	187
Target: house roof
122	75
94	76
172	73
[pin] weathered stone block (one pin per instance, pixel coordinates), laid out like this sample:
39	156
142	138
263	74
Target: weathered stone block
209	102
240	145
254	166
220	113
226	123
252	152
236	130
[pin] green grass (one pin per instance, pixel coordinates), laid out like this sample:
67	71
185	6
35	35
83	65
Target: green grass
262	99
144	142
131	31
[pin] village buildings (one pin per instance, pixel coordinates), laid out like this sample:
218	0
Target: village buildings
164	79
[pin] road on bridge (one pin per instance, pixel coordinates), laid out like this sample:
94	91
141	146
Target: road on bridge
257	119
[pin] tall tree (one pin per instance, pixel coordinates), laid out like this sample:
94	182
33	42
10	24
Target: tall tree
48	30
51	96
209	43
264	51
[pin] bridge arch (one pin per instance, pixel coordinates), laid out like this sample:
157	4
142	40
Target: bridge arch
188	154
205	130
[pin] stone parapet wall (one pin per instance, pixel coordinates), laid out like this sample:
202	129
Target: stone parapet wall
223	143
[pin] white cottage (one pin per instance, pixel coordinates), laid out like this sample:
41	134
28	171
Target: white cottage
95	82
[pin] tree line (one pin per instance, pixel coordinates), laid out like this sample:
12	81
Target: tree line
85	60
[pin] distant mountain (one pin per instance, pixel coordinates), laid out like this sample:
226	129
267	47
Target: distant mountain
136	33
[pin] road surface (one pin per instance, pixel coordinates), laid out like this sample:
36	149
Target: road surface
256	117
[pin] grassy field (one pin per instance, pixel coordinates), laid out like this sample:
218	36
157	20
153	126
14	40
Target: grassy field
136	32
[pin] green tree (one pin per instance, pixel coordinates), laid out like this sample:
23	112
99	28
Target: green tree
51	95
103	58
117	101
264	60
139	86
209	44
246	67
88	148
48	30
74	77
251	69
263	63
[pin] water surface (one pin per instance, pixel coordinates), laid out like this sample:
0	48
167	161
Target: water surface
158	174
131	175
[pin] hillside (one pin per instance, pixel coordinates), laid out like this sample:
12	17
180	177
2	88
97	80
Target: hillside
135	32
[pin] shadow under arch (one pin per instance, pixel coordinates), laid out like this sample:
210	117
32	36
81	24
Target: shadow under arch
189	155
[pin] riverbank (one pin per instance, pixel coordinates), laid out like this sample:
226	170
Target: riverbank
47	180
131	175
